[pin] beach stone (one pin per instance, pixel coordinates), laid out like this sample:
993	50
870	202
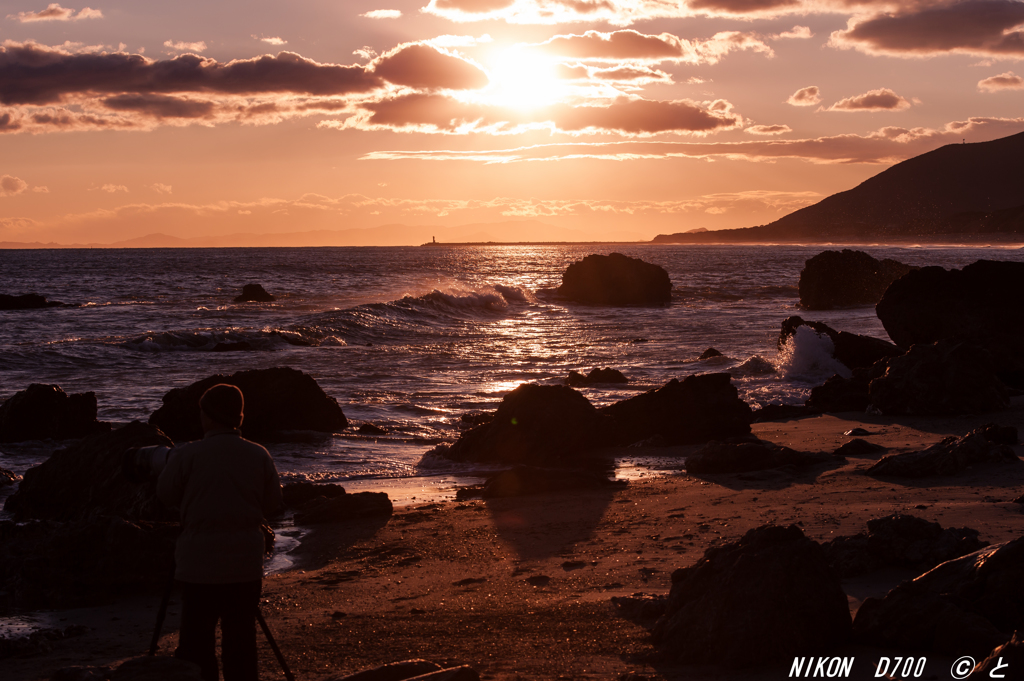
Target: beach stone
951	456
296	494
393	671
86	480
697	409
43	412
838	394
846	278
746	456
858	447
1010	654
343	508
615	279
943	378
899	541
753	602
529	480
933	303
8	478
277	401
970	604
534	424
709	353
156	668
370	429
254	293
28	301
605	375
853	350
640	607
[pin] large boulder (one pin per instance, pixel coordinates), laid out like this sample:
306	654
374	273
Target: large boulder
842	279
615	279
45	411
605	375
763	599
984	299
86	481
951	456
970	604
277	401
343	508
899	541
697	409
534	424
29	301
254	293
853	350
747	456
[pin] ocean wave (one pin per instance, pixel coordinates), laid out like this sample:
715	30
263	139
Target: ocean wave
807	357
224	340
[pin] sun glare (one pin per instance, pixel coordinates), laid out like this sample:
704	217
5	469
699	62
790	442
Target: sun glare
523	80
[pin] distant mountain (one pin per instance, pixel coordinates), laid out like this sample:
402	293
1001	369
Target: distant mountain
959	190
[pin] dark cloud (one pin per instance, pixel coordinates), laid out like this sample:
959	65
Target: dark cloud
423	67
882	99
741	6
627	44
768	129
970	26
807	96
10	185
1004	81
646	117
160	106
8	123
34	74
64	120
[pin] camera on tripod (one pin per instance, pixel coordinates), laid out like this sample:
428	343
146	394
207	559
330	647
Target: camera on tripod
142	464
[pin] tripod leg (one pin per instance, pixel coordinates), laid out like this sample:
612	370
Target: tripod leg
273	645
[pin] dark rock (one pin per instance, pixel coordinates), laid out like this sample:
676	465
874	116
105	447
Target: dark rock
86	480
932	303
528	480
29	301
615	279
782	412
838	394
1007	656
254	293
296	494
766	598
951	456
640	607
852	350
899	541
709	353
277	400
45	411
840	279
476	418
344	507
969	604
858	447
8	478
943	378
835	279
743	457
857	432
156	668
46	564
696	409
225	346
541	424
370	429
1000	435
394	671
596	376
41	642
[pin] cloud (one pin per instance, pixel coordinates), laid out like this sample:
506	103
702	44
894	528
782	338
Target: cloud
795	33
160	188
807	96
41	190
979	27
161	106
459	40
186	47
37	75
743	6
886	145
1004	81
768	129
635	46
424	67
114	188
54	12
12	186
9	123
271	41
382	14
625	116
882	99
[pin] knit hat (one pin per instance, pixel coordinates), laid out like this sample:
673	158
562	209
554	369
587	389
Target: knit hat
223	403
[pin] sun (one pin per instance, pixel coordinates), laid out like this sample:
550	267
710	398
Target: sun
521	79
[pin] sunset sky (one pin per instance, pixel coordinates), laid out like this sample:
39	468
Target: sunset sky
606	119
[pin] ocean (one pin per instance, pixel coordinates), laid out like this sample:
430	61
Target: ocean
412	338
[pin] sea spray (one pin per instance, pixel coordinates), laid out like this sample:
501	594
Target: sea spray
807	357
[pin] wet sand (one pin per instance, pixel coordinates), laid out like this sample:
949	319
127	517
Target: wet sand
522	588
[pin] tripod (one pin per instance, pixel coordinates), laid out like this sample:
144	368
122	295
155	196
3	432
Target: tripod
161	615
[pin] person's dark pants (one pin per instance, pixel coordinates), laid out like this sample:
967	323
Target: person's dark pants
235	605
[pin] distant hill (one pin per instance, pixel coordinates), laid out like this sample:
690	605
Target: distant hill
959	190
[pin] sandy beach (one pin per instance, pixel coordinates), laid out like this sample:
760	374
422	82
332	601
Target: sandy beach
522	587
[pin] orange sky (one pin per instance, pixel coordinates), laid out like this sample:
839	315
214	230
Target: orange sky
606	119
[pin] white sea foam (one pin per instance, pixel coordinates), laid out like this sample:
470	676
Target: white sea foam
807	356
